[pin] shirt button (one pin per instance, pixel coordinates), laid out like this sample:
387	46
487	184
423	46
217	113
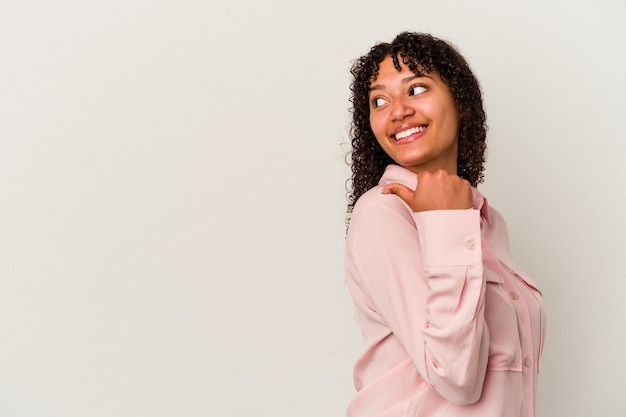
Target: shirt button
514	295
527	362
471	244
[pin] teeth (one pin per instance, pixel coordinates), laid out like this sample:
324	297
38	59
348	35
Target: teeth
409	132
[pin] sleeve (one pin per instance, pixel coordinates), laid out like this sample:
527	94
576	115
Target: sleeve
423	274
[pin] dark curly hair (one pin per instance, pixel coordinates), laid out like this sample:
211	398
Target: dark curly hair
421	53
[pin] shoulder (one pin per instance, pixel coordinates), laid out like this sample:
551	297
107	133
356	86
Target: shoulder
495	217
497	234
379	222
373	206
374	201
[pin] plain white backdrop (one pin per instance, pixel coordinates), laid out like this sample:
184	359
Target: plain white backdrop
172	197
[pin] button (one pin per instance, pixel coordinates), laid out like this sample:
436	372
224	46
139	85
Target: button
514	295
471	244
527	362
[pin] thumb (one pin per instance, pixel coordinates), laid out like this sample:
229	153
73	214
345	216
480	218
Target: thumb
402	191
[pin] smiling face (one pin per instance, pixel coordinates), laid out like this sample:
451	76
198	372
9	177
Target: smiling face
414	118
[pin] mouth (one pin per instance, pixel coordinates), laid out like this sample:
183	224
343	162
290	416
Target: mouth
405	133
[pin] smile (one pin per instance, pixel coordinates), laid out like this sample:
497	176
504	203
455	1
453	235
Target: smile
408	132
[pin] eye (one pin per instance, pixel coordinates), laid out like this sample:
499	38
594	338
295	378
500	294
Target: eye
417	89
378	101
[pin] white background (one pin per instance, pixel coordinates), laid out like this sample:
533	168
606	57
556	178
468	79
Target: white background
172	197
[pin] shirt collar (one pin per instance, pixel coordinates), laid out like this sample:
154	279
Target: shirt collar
401	175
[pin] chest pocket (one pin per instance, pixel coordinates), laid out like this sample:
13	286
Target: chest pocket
505	352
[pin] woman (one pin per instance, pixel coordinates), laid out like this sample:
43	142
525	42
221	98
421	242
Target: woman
451	326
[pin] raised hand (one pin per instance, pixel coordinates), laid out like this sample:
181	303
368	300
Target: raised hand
437	190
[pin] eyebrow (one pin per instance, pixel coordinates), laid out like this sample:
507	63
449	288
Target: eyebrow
404	81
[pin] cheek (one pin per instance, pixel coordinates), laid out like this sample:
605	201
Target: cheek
378	126
452	119
452	112
449	116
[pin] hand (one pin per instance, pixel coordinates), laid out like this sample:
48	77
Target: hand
437	190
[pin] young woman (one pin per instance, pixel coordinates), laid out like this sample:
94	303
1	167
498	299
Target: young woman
451	326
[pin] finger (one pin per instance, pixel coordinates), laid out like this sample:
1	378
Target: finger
402	191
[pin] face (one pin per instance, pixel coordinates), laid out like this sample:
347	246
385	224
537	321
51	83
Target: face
414	118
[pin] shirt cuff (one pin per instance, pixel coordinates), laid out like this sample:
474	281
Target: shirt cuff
449	237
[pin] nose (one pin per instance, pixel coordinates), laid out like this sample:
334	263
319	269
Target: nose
401	109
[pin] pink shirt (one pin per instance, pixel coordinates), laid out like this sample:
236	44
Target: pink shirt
451	326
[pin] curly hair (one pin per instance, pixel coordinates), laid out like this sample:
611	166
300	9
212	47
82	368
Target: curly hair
421	53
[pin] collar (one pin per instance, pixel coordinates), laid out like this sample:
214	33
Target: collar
396	173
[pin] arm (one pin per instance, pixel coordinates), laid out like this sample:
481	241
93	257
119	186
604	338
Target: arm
427	287
456	336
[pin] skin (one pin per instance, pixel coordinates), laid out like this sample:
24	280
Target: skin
415	121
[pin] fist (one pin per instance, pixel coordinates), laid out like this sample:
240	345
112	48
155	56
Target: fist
437	190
